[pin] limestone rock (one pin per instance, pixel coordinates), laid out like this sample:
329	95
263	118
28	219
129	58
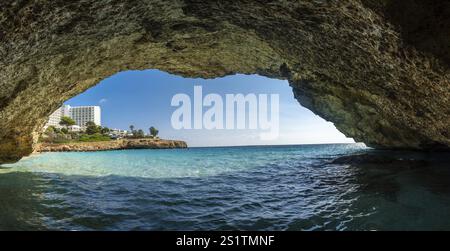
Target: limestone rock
379	70
120	144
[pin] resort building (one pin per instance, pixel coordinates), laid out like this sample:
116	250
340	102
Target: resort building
84	114
56	116
80	114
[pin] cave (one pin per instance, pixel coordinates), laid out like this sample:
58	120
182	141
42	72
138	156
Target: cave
379	70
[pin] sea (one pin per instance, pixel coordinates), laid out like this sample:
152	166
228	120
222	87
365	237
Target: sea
295	187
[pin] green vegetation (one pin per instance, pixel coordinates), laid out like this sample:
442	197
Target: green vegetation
136	133
94	137
139	133
105	130
56	135
67	121
92	133
92	128
153	131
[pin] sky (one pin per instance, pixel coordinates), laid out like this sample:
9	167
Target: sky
143	99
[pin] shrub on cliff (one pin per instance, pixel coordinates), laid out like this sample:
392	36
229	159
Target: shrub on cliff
92	128
93	138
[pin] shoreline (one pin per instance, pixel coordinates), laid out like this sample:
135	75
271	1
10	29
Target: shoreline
119	144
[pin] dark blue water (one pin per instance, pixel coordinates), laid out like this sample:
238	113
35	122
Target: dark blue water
244	188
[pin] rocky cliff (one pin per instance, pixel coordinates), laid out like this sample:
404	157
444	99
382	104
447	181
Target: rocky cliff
120	144
379	70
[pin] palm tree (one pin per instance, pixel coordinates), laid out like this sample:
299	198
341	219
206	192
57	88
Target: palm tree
131	128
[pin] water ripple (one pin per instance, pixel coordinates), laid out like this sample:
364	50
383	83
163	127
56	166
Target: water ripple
278	188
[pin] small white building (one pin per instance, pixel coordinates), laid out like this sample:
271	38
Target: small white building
118	133
74	128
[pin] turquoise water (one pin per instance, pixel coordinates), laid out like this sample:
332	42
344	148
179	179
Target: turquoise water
224	188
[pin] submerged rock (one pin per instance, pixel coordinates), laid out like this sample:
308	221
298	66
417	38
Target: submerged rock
379	70
380	161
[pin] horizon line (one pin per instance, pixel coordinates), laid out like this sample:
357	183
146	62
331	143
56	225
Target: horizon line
300	144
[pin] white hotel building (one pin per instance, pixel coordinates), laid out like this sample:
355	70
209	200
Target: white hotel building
56	116
80	114
84	114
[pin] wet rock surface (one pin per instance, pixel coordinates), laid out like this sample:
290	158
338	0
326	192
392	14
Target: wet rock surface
381	159
379	70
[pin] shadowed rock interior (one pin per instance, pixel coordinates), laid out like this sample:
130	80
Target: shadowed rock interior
379	70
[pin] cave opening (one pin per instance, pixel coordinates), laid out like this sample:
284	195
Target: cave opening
378	70
144	99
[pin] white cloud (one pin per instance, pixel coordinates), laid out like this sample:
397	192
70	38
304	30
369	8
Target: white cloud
102	101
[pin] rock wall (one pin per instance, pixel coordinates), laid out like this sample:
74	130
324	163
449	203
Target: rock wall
379	70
